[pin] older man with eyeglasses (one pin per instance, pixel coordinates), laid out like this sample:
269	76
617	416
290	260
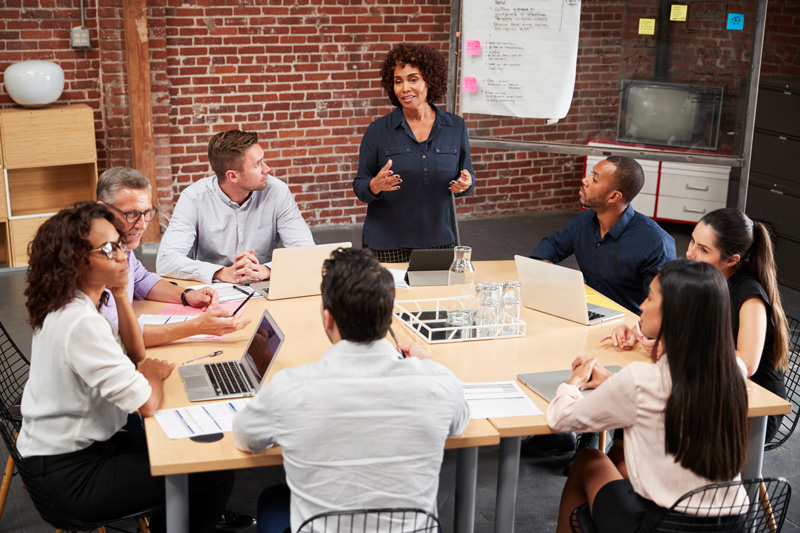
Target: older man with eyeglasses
128	194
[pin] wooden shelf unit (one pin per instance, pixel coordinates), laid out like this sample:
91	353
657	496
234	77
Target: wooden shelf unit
48	160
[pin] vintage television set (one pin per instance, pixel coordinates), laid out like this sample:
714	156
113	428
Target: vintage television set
669	114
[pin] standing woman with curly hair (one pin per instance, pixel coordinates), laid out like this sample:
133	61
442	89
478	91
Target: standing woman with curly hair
83	380
412	159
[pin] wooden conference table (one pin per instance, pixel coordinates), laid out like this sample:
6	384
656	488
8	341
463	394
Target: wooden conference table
550	343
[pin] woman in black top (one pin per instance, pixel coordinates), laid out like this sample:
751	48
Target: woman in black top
742	250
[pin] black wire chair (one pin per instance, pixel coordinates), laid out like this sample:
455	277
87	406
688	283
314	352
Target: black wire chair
791	379
14	369
400	520
13	376
764	510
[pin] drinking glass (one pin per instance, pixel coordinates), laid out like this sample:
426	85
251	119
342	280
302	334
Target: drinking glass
510	307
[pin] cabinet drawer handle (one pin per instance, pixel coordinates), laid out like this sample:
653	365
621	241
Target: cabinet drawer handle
690	210
693	188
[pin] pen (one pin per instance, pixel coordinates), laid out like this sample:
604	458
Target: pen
238	288
202	357
242	304
391	332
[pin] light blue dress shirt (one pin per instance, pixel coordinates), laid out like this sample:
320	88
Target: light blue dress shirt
214	228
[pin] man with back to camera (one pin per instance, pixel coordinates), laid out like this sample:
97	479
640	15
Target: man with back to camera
128	194
231	222
619	251
362	427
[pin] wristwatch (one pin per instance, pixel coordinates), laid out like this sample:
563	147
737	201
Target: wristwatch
183	297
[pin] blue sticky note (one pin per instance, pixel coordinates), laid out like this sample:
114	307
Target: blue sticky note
735	21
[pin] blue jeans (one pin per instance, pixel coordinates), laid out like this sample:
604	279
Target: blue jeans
273	510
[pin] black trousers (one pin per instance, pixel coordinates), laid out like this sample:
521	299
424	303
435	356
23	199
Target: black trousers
112	479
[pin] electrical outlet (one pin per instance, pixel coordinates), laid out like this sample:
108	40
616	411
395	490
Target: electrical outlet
80	37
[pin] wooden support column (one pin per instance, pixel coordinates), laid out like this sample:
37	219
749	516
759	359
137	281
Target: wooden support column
137	60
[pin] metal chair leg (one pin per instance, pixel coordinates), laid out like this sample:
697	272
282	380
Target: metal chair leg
144	524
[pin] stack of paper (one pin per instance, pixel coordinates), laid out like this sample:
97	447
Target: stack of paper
199	420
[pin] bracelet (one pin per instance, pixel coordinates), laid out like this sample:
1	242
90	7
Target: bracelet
183	297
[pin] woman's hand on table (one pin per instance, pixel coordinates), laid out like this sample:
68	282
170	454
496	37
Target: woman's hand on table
582	371
622	337
463	182
413	349
599	375
386	180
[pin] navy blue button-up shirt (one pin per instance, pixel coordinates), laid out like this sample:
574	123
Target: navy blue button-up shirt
418	214
622	264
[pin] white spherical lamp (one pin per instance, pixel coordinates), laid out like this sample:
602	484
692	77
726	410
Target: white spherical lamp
34	83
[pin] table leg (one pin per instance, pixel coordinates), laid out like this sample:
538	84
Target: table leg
507	478
177	493
466	485
757	432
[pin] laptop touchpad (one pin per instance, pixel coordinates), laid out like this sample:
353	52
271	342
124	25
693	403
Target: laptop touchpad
194	382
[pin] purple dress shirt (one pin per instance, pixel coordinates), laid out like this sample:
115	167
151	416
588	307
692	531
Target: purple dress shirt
140	281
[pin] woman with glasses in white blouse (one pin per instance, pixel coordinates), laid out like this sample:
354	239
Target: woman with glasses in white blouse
84	380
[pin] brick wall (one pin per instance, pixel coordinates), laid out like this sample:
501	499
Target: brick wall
303	73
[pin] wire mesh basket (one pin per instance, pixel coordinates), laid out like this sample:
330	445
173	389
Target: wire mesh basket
428	318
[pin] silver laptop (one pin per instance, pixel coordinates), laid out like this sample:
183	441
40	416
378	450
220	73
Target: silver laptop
296	272
236	379
545	384
558	291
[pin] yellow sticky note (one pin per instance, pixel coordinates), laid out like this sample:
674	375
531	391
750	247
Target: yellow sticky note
678	13
647	26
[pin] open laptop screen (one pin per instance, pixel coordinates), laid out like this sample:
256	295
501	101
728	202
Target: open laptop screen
263	347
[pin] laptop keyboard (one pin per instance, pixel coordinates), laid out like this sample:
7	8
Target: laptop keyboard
594	316
226	377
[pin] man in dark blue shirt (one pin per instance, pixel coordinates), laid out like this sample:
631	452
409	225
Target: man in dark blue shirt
619	251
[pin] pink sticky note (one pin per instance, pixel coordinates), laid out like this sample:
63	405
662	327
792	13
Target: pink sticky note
470	85
473	48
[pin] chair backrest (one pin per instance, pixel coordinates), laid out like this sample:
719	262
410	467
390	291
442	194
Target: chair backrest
791	379
397	520
14	369
763	511
13	373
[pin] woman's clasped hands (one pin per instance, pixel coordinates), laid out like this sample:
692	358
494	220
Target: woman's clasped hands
587	373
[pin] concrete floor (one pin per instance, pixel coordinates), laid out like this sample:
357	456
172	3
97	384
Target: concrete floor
541	479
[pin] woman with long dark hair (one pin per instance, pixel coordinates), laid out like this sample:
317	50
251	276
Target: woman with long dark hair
684	417
741	250
83	380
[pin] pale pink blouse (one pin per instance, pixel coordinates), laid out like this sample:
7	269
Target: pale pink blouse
633	399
